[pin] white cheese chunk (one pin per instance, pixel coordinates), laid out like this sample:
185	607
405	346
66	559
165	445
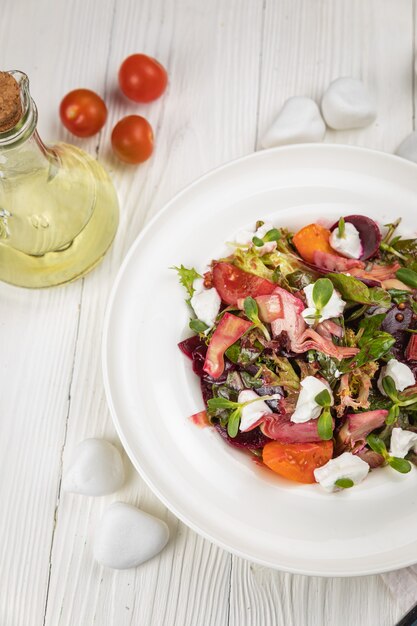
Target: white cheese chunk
400	373
307	408
333	308
347	465
205	302
350	244
402	441
252	412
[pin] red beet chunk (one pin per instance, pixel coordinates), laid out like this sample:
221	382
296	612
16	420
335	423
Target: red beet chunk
369	234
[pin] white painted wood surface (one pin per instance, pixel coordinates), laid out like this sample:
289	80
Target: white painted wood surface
231	65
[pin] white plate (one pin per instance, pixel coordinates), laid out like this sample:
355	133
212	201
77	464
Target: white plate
151	389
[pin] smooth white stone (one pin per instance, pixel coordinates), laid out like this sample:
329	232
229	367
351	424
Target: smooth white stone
347	104
298	121
127	537
408	147
96	469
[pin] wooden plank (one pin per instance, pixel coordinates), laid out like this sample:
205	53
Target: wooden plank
211	51
305	46
38	328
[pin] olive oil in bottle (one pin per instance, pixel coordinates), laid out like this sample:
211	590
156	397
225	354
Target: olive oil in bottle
58	207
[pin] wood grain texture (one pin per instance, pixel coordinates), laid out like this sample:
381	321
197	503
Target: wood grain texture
231	66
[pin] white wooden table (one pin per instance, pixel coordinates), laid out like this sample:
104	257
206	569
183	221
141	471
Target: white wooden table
231	64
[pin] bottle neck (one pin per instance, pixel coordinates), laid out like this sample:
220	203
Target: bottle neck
25	127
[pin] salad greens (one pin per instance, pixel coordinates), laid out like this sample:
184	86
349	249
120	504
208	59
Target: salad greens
257	339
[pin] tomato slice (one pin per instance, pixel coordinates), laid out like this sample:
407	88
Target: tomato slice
233	283
297	461
229	330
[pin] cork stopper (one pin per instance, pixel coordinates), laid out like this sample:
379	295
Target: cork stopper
10	105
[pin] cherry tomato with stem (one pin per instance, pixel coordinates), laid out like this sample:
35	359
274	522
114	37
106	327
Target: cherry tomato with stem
132	139
142	78
83	112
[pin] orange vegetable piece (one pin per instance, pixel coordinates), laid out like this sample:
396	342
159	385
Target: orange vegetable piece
311	238
297	461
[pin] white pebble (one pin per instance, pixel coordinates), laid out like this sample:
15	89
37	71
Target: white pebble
298	121
408	147
96	469
347	104
127	537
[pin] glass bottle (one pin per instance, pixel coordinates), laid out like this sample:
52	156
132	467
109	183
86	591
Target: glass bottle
58	207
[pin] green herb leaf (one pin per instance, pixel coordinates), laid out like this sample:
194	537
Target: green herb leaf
407	276
233	423
197	326
187	278
257	242
251	309
323	398
369	327
272	235
251	312
355	290
233	352
221	403
377	445
372	350
325	425
341	228
390	388
344	483
322	292
393	414
400	465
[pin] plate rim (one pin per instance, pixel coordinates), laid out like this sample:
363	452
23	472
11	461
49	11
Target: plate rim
323	147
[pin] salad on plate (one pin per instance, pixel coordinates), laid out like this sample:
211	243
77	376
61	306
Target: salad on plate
306	348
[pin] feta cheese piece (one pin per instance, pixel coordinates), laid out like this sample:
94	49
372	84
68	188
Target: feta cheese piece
400	373
244	238
206	305
307	408
333	308
252	412
347	465
402	441
299	121
350	244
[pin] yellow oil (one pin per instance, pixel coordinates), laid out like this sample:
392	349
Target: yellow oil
58	215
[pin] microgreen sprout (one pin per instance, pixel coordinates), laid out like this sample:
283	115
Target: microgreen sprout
344	483
322	292
236	407
251	312
271	235
377	445
387	248
324	423
398	399
341	228
197	326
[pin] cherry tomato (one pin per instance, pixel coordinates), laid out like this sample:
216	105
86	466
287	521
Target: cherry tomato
142	78
233	283
83	112
132	139
297	461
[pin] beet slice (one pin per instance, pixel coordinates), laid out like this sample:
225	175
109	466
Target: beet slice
369	234
252	440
